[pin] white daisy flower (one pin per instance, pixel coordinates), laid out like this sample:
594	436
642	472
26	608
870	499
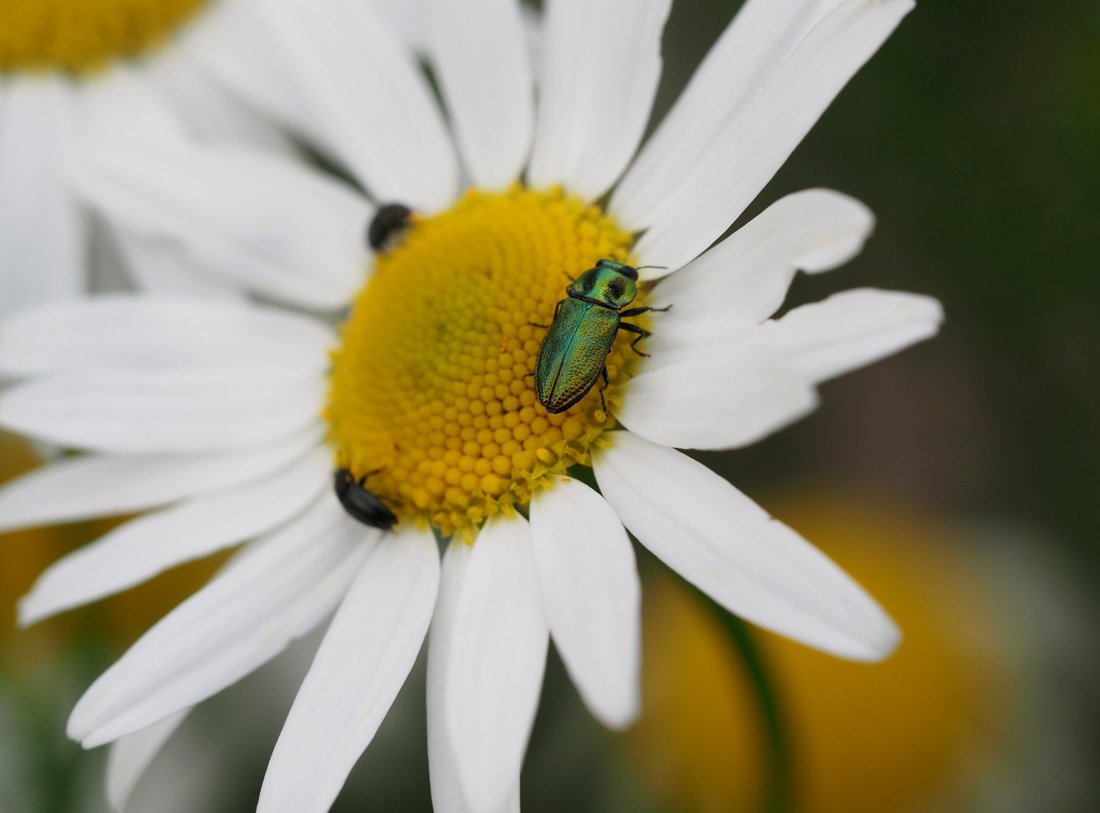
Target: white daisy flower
67	66
229	417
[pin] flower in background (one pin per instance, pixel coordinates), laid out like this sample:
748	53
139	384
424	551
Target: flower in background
966	716
234	414
54	660
25	555
72	68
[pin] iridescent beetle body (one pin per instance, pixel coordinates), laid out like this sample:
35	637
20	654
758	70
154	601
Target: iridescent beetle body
574	351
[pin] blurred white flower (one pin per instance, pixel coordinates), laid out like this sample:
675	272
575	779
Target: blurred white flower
68	67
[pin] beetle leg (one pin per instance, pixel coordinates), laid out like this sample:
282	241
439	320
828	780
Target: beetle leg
557	310
363	479
606	384
640	311
642	333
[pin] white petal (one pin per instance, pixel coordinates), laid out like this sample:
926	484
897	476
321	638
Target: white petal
149	545
364	659
368	94
42	234
209	110
714	392
592	596
495	663
480	53
255	218
533	35
229	44
410	18
600	69
447	793
162	266
852	329
728	177
727	546
122	105
447	796
274	591
184	410
131	755
159	331
746	276
738	67
81	488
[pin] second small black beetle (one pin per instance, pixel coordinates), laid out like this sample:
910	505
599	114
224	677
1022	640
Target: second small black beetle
361	504
389	223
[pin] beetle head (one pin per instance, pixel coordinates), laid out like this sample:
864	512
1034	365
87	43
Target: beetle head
610	283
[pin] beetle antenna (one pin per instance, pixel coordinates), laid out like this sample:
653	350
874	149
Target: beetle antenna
643	267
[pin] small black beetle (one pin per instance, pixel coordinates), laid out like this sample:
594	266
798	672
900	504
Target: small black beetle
387	226
363	505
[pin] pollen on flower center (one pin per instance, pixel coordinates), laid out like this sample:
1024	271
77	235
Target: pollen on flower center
78	36
432	394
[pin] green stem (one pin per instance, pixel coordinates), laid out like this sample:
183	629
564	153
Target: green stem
777	796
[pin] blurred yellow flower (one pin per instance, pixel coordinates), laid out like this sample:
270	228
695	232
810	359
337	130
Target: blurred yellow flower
27	553
907	734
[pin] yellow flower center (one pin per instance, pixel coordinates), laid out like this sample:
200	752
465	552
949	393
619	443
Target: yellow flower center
80	36
432	393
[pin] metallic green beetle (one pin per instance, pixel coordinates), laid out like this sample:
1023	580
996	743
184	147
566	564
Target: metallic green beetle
575	348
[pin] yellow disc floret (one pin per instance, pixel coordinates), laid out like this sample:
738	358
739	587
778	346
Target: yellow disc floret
432	394
79	36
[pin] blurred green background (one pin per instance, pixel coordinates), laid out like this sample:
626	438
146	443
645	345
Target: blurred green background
974	136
